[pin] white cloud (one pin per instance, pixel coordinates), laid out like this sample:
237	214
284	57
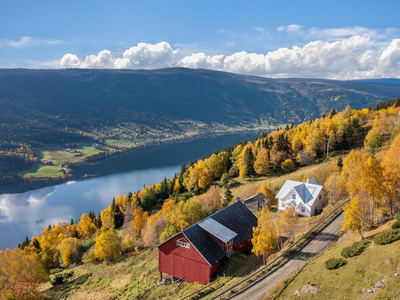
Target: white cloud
143	55
356	56
290	28
28	41
70	61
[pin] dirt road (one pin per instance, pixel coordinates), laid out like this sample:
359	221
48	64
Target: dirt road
291	264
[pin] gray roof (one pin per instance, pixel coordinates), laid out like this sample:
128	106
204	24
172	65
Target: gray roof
204	244
217	229
238	218
255	202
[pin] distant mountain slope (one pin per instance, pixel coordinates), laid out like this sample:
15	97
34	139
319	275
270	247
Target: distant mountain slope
79	98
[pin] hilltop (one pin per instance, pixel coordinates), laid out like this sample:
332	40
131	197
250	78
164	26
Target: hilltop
41	104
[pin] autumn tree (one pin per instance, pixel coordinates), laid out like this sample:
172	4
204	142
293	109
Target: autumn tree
152	230
261	165
305	157
85	227
139	218
268	192
107	245
354	217
391	175
21	266
288	165
265	235
288	222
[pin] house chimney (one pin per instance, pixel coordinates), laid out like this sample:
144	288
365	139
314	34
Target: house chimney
307	180
237	199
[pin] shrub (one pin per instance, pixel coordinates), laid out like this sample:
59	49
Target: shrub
355	249
387	237
59	278
398	217
335	263
396	225
21	291
55	271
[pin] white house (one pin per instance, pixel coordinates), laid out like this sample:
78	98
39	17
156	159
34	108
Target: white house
308	198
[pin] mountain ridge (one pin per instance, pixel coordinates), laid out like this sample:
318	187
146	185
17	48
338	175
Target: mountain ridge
80	98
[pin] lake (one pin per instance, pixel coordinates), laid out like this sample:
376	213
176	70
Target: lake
28	209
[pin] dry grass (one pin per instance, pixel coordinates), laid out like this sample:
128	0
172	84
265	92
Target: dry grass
377	263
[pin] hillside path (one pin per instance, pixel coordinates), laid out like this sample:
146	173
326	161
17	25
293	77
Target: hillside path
291	264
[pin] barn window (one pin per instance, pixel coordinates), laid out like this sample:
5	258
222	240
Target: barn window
319	197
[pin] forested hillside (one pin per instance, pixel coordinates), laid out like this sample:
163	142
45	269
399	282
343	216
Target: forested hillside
134	224
37	105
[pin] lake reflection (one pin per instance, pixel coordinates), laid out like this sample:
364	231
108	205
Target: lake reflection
28	209
30	212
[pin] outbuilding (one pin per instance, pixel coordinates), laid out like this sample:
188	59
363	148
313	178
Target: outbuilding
195	254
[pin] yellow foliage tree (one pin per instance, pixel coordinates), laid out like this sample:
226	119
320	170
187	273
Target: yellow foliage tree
107	218
288	165
107	245
177	185
85	227
139	218
261	165
21	266
354	219
265	235
391	174
288	222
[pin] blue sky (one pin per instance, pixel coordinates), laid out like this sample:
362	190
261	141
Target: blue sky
329	39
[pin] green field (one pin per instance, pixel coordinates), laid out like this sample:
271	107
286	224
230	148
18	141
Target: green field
120	143
57	155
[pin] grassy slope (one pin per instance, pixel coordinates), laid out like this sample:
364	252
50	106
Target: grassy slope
377	263
133	276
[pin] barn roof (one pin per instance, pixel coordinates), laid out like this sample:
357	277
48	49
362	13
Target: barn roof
217	229
204	244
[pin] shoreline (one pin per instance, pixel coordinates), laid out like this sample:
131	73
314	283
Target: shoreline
16	181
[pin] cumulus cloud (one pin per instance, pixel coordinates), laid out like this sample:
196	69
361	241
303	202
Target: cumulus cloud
356	56
28	41
143	55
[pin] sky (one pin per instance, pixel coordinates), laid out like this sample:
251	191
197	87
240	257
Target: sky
349	39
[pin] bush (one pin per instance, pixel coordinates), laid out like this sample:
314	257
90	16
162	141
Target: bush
398	217
396	225
21	291
335	263
356	249
59	278
55	271
387	237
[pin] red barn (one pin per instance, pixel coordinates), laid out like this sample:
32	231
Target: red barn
196	253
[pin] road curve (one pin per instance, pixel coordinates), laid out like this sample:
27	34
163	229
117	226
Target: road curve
291	264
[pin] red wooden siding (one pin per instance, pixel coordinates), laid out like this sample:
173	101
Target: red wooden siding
244	246
181	262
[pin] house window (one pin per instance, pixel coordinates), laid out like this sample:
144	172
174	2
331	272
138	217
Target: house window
319	197
303	209
294	196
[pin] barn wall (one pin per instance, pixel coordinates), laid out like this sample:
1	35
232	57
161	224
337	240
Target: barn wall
244	246
182	262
